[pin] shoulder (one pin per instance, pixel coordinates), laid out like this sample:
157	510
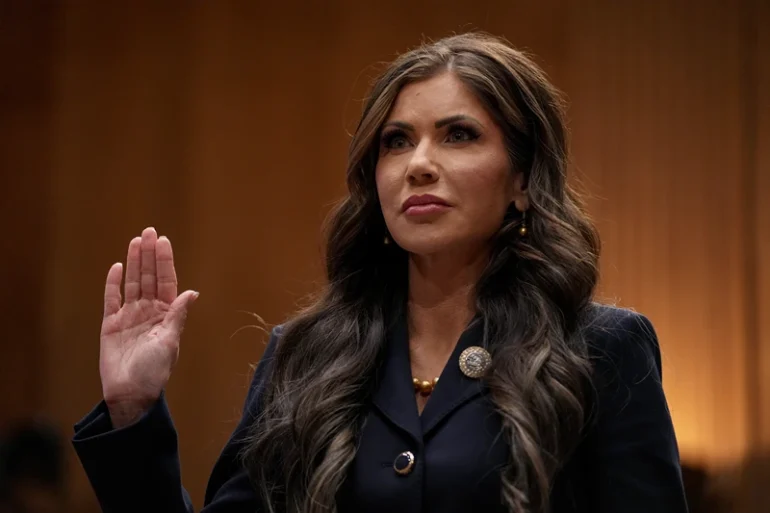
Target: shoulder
268	348
617	330
275	335
261	370
611	324
622	344
632	445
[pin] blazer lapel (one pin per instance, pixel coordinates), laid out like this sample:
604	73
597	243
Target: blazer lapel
454	388
394	393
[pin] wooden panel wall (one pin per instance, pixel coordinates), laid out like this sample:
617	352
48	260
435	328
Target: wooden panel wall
659	135
224	125
761	225
27	36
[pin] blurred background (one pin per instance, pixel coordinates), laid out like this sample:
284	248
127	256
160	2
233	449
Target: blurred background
225	125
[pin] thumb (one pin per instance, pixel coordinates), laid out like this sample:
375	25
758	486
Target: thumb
177	312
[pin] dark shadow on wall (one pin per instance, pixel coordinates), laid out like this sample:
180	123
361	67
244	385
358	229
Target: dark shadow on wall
32	469
745	489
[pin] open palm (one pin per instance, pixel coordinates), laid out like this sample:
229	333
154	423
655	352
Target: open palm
141	332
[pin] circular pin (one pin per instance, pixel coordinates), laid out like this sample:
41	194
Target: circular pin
475	361
404	463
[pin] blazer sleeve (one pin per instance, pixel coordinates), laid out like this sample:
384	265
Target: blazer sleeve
136	468
637	464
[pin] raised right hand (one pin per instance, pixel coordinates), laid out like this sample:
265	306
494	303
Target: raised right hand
140	336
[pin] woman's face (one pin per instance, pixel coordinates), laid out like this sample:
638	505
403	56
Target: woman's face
443	176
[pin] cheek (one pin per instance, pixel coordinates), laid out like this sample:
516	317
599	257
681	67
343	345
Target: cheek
387	184
488	191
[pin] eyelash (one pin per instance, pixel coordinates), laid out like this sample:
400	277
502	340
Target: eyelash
391	135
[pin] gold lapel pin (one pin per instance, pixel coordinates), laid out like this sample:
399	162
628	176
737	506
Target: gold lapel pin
475	361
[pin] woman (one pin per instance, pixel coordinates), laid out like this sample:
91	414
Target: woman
455	362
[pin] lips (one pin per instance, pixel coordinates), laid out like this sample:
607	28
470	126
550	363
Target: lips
424	202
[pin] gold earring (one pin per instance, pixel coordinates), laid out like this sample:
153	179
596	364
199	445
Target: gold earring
523	225
386	240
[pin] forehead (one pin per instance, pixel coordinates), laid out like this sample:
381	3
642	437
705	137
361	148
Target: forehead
438	96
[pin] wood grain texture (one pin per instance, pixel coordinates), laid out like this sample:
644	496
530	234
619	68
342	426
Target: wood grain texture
27	36
762	222
658	136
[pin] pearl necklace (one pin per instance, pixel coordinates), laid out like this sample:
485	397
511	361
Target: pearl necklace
425	388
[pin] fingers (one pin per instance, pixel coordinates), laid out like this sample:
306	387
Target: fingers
150	272
164	263
148	279
133	262
177	313
112	289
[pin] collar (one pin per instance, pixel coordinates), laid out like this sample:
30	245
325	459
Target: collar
394	392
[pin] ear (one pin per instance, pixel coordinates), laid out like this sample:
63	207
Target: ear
519	196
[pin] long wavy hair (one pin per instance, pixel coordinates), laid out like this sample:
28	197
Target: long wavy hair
534	296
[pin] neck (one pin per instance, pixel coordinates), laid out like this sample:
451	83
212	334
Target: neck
441	297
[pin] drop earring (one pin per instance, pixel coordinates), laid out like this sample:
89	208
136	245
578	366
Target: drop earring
386	240
523	224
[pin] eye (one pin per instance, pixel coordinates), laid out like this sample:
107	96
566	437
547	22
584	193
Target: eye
461	133
394	140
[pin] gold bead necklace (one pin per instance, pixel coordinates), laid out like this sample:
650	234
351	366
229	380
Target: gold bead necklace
425	388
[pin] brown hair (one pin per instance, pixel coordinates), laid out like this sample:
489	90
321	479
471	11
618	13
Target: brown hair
534	295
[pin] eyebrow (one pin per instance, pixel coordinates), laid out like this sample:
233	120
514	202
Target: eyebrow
438	124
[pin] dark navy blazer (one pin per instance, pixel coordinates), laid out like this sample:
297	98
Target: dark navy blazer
628	461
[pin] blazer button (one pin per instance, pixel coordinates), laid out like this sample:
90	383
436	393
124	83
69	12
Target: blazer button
404	463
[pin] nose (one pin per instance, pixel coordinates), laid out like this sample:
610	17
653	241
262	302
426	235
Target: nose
422	168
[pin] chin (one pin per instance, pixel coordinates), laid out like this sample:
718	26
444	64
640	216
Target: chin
425	244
